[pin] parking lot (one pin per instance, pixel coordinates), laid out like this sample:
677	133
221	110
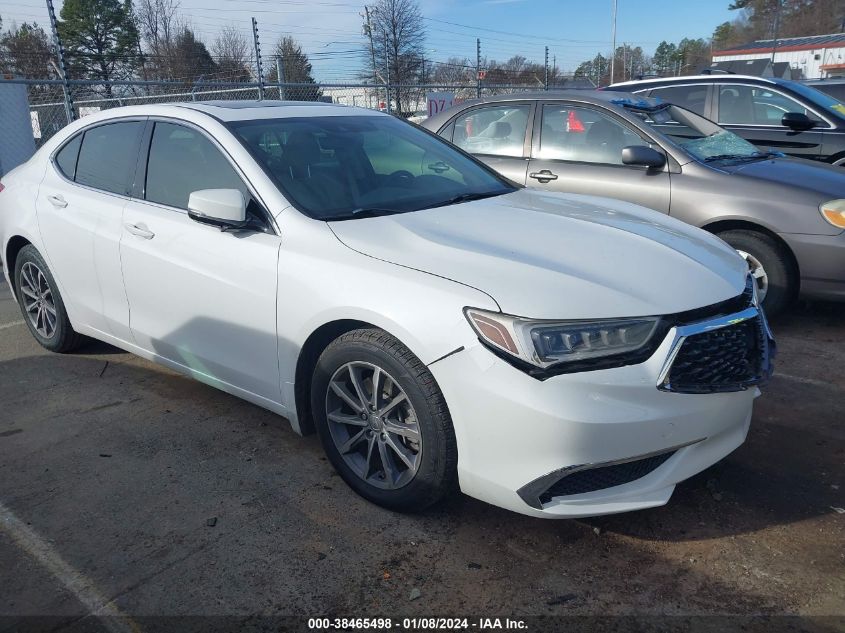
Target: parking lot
125	488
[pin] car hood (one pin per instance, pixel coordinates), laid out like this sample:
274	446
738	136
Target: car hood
828	181
556	256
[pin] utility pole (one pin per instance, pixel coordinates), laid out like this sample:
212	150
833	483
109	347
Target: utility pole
387	72
62	67
613	37
280	76
777	29
546	71
258	67
368	31
478	68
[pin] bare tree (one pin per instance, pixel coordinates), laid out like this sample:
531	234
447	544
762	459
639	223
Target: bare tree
231	51
398	36
159	24
454	71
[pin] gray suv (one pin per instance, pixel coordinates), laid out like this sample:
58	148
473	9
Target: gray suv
786	216
774	114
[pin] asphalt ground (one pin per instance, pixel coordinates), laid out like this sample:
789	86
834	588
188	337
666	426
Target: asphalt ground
130	492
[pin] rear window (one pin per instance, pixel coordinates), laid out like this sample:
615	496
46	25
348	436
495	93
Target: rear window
108	156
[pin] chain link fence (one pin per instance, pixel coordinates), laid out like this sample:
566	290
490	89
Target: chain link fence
50	101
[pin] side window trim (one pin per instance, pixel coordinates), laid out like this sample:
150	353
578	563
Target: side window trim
526	141
717	97
143	164
538	125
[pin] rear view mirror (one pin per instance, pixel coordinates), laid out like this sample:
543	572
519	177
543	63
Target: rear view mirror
643	156
220	207
797	121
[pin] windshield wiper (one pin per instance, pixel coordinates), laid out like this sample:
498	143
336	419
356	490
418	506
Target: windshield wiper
755	156
467	197
365	212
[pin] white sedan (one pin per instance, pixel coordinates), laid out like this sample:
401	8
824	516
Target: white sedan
438	326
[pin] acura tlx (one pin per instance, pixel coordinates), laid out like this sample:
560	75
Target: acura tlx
437	325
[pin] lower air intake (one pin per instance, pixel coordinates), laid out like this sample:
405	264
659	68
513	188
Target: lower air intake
593	479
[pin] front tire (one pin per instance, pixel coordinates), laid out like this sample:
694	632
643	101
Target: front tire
41	304
777	281
383	421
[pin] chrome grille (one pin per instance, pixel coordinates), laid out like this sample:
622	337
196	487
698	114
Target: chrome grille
725	359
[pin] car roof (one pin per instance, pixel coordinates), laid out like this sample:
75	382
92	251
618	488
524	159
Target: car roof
226	111
251	110
720	77
597	97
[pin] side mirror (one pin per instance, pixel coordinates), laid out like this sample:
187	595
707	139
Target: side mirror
219	207
797	121
643	156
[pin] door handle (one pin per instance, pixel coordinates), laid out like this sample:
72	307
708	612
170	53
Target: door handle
140	230
544	175
57	200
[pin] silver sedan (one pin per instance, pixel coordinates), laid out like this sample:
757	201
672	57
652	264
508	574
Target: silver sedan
786	216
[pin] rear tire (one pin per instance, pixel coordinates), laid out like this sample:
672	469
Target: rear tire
415	437
41	304
780	277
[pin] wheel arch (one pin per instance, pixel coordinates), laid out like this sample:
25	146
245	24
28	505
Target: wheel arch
13	247
837	160
719	226
314	345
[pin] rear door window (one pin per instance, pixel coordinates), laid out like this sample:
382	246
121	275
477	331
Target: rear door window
692	97
108	155
497	130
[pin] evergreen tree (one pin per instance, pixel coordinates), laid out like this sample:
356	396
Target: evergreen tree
100	39
296	69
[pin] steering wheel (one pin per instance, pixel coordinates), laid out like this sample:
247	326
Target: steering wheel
402	176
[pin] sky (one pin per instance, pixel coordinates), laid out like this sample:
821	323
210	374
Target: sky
330	30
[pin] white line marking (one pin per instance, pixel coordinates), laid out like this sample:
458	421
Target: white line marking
806	381
80	586
5	326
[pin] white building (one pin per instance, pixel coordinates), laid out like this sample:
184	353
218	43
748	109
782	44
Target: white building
815	57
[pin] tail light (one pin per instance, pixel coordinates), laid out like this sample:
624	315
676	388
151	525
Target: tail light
1	187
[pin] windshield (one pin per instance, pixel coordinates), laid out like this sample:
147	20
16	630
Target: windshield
819	98
699	137
346	167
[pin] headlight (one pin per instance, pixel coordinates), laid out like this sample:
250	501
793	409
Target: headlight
578	345
834	212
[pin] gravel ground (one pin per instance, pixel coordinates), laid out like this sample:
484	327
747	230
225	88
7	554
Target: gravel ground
127	489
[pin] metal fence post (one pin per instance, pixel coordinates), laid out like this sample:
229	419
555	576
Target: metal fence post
387	69
62	68
280	77
258	67
546	72
478	68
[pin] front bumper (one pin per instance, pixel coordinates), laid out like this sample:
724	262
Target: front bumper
821	260
513	430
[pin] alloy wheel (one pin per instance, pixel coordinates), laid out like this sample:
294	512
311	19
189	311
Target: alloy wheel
38	300
755	267
373	425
